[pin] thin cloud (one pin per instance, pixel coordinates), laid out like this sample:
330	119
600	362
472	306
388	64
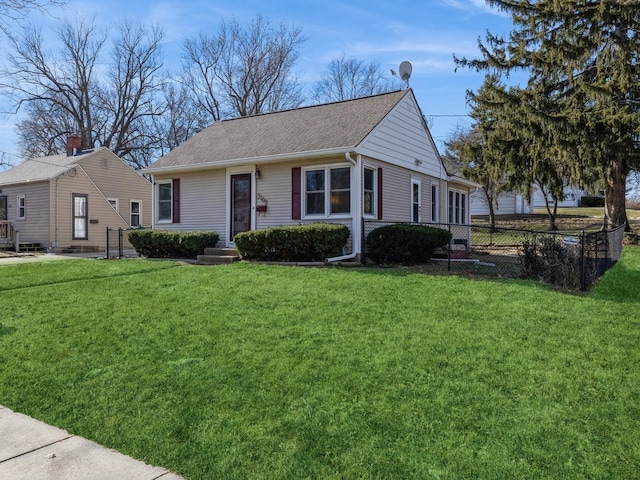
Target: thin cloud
474	6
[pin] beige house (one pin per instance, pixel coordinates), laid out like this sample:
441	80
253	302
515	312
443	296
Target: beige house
370	159
67	202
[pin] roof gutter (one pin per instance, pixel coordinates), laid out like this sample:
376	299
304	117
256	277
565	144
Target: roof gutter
249	160
463	181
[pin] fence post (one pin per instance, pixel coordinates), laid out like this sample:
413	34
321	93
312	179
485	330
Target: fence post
107	243
583	280
449	249
120	250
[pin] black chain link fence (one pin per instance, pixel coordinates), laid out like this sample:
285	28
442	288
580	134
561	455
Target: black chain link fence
118	245
573	260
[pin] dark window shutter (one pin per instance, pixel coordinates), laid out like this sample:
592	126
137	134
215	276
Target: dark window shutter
176	200
380	193
296	185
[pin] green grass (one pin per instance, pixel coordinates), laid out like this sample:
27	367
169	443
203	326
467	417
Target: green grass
248	371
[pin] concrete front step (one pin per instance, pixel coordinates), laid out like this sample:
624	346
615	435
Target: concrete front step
216	259
221	251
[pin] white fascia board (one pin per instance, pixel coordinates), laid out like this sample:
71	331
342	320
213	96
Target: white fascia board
462	181
248	161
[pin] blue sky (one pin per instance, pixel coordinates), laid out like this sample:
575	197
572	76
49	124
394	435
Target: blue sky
426	33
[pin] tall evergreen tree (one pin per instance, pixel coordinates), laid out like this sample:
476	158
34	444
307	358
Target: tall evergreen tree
583	90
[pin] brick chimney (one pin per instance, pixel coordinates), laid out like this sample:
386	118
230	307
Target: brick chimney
74	145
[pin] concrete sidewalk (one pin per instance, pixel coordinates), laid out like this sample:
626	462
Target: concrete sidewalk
32	450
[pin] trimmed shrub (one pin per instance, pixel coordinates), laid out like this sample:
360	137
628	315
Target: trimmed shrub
406	243
171	244
297	243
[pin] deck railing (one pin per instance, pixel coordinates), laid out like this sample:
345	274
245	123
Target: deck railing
8	234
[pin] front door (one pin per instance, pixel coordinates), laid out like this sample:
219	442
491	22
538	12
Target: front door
240	203
3	208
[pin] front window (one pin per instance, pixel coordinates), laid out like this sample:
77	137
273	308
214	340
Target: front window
335	181
136	211
165	198
21	207
80	217
369	203
114	203
314	192
457	207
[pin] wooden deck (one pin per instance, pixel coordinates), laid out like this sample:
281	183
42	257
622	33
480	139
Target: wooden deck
9	236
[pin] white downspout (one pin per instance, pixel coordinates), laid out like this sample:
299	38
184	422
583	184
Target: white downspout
357	208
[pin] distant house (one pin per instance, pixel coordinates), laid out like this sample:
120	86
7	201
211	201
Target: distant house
370	158
66	202
509	203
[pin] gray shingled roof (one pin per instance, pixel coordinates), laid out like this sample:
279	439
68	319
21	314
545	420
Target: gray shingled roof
39	169
308	129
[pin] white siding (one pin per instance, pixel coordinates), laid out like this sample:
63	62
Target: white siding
401	139
202	202
572	196
507	203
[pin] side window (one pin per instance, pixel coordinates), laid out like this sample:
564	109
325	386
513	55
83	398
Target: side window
136	213
435	194
80	217
457	207
21	213
369	200
415	201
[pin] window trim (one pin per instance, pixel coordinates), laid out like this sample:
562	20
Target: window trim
74	235
21	199
327	191
455	214
116	207
374	192
158	184
139	214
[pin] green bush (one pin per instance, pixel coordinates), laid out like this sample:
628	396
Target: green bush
405	243
171	244
297	243
592	201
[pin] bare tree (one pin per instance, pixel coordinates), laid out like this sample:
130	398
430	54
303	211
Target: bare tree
14	12
347	78
181	119
64	92
244	69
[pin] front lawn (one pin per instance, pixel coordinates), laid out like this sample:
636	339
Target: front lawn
267	372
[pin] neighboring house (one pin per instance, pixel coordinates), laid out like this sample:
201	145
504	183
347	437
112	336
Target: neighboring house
510	203
67	201
371	158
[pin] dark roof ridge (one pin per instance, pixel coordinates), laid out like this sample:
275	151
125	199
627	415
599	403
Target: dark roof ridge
304	107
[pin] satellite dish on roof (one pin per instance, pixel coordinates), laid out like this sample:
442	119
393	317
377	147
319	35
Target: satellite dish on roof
405	71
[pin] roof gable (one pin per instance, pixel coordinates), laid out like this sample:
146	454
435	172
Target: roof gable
308	129
42	168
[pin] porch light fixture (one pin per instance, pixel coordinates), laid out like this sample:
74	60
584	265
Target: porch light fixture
258	174
418	162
